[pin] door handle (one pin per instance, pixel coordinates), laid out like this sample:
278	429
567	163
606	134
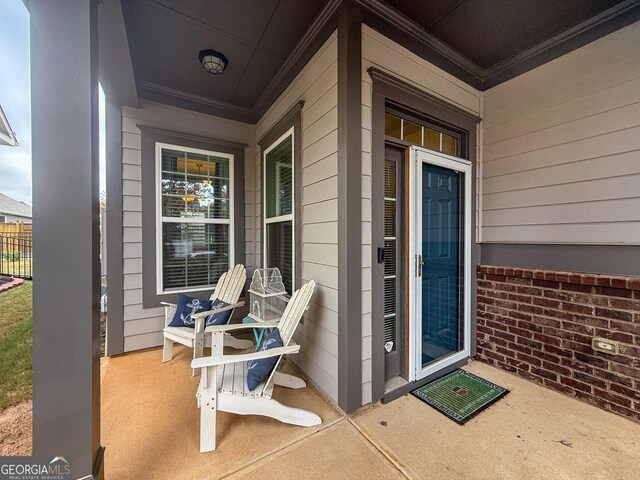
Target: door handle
380	255
419	264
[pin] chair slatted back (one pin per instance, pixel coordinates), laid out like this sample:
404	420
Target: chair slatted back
229	286
291	318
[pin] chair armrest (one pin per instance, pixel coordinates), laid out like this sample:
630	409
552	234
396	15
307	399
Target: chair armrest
215	360
167	304
217	310
239	326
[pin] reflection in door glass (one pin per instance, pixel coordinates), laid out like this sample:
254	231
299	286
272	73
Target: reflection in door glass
442	242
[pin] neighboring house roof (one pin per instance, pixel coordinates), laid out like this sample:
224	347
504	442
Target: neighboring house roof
9	206
7	136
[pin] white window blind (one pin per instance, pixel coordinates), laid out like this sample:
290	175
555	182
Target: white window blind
195	207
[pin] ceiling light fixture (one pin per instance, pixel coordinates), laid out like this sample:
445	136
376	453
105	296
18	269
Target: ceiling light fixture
212	61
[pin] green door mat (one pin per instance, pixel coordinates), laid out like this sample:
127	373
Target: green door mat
460	395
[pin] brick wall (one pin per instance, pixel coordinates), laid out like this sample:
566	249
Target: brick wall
540	323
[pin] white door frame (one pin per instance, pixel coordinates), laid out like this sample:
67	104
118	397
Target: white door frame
419	156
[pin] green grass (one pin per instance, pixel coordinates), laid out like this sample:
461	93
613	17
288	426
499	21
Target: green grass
15	345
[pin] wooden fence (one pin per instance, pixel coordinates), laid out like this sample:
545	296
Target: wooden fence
16	228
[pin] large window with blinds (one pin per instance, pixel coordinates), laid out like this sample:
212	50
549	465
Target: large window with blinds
194	212
279	208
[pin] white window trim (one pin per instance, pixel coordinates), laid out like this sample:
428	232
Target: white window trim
281	218
160	219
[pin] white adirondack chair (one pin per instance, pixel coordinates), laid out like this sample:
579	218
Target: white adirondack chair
223	383
228	289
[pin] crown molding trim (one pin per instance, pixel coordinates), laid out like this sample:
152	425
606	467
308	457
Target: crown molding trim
190	101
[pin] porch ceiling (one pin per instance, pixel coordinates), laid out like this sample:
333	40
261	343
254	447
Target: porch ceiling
482	42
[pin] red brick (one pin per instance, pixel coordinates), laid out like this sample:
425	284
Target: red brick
527	273
546	339
554	367
519	280
494	356
555	350
583	387
619	282
560	295
612	397
575	278
583	377
523	307
624	304
629	392
578	328
520	332
521	348
558	386
530	326
495	278
626	370
520	298
541	372
628	327
562	277
538	274
573	287
529	359
518	364
592	360
507	336
584	339
604	281
627	412
576	307
529	343
614	335
613	292
546	283
575	365
615	314
528	290
614	377
633	283
546	302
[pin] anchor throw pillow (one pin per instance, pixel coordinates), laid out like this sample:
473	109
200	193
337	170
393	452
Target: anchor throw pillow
187	306
259	370
220	318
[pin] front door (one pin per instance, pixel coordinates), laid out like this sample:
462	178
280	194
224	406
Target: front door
442	260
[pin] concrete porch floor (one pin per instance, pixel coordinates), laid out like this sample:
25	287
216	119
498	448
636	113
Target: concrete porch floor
150	431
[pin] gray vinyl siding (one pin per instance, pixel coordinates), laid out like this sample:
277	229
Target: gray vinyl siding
562	149
384	54
143	326
316	85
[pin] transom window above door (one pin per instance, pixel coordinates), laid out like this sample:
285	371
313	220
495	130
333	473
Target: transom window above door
414	133
194	211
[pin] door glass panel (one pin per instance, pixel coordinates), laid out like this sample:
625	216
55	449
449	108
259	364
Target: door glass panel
392	126
442	279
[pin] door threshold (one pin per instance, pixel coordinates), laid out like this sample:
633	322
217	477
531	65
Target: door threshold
401	390
394	383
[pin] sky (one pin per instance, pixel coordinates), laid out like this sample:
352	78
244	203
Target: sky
15	92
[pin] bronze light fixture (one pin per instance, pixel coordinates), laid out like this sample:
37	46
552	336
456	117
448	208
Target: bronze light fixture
212	61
